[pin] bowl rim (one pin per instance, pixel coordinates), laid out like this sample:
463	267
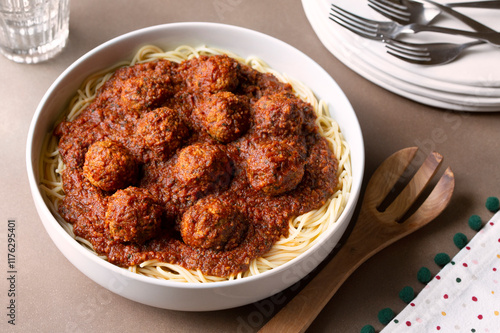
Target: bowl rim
40	200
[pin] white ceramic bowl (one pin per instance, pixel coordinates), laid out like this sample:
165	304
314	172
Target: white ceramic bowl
178	295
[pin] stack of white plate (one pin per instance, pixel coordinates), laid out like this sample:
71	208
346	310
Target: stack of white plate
470	83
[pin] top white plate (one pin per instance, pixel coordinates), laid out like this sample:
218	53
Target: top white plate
471	83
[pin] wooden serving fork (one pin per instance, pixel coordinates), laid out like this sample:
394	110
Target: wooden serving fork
373	231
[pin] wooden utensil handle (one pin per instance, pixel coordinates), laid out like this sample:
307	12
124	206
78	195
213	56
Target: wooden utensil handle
300	312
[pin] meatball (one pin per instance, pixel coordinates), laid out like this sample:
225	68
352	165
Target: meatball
143	93
129	85
213	74
224	116
157	68
275	167
212	224
161	131
109	166
203	167
279	114
132	215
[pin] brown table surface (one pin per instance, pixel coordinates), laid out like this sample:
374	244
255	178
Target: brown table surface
53	296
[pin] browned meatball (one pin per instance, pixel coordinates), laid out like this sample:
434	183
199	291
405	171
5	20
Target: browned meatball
109	166
224	116
144	93
203	167
161	131
279	114
213	74
130	84
157	68
212	224
133	215
275	167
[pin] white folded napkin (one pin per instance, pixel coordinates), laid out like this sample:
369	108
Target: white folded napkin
464	296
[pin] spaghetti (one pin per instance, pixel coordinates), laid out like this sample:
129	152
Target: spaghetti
303	231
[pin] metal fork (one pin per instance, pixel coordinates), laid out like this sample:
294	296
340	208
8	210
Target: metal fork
427	53
384	31
409	11
492	4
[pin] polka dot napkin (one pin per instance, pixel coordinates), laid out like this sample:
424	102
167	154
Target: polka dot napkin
465	295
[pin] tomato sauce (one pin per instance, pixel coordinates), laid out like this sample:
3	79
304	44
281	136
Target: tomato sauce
200	164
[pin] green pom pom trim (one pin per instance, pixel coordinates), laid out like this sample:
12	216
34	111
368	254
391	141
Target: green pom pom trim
460	240
407	294
493	204
368	329
475	222
441	259
424	275
385	316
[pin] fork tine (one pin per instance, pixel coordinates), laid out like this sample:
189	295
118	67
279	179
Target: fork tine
357	24
414	53
415	186
399	7
411	58
441	194
387	9
354	17
354	28
402	45
410	50
394	167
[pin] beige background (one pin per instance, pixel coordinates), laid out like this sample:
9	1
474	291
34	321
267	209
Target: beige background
55	297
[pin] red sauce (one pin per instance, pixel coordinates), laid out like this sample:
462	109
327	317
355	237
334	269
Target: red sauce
200	164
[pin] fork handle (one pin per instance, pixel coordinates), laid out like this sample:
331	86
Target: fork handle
478	26
492	38
492	4
363	242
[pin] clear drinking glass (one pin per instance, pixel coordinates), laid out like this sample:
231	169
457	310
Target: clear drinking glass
33	30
